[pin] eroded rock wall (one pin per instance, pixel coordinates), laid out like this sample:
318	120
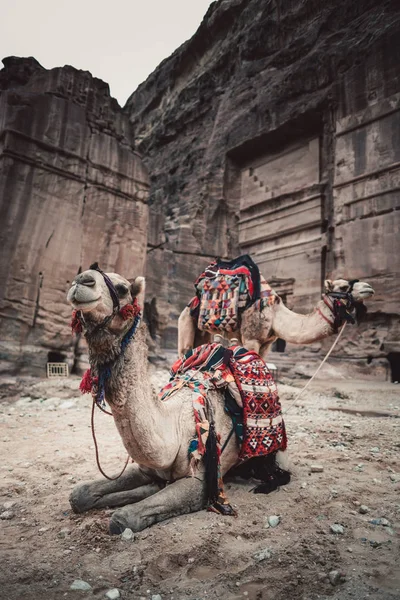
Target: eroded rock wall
274	131
72	191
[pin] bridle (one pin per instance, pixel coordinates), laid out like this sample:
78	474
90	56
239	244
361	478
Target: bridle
341	305
115	300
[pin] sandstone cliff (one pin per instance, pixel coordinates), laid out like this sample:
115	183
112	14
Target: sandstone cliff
274	131
72	191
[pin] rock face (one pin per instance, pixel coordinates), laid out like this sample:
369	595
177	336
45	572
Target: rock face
72	191
274	131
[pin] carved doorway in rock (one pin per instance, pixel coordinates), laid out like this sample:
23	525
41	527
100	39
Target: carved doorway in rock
280	222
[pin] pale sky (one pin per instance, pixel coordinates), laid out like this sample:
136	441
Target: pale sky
119	41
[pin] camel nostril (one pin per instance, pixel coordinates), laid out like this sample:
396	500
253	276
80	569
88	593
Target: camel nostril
86	279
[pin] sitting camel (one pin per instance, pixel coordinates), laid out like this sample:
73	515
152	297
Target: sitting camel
156	434
260	328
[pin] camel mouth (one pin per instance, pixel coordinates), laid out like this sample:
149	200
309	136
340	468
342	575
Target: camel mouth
85	306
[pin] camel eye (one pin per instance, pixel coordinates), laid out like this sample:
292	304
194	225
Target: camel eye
121	289
344	288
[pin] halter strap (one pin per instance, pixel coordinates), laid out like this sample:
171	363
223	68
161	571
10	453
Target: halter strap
109	284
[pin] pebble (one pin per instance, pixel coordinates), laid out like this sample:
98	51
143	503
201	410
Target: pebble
363	509
394	477
274	520
9	504
336	528
6	515
67	404
156	597
335	577
113	594
347	425
374	449
190	560
127	535
262	555
382	521
316	468
79	584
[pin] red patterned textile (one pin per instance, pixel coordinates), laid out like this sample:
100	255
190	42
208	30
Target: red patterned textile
263	425
264	428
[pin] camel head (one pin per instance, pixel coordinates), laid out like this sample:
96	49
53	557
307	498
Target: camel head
100	298
360	290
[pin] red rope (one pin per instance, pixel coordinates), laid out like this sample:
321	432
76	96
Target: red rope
97	449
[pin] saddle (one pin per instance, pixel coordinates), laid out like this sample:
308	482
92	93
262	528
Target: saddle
224	290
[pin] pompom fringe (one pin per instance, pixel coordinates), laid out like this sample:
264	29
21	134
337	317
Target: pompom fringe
129	311
86	383
76	324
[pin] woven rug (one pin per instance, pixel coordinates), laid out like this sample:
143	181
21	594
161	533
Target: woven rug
212	365
224	290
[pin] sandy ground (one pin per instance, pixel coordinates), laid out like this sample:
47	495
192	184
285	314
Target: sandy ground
352	429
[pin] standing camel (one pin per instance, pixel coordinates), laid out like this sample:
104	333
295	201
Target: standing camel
260	328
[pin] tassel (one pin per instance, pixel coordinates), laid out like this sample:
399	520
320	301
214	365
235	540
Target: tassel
129	311
211	465
86	383
76	324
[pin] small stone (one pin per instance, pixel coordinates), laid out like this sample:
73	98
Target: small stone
262	555
6	515
79	584
190	561
66	404
127	535
349	550
336	528
374	449
113	594
316	468
9	504
347	425
382	521
156	597
335	577
363	510
274	520
394	477
63	533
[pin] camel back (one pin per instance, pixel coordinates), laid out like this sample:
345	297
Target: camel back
224	290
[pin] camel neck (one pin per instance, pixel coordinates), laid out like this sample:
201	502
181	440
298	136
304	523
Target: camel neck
303	329
136	408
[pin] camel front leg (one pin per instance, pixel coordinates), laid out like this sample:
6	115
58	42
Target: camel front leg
181	497
132	486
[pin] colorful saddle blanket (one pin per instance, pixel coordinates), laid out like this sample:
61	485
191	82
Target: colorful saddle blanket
261	429
224	289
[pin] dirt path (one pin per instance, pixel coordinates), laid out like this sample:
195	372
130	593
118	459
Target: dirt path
47	447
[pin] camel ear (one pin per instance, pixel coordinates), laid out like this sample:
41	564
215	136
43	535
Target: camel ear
137	290
328	285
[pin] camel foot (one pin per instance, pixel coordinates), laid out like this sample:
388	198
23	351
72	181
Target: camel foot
184	496
115	528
